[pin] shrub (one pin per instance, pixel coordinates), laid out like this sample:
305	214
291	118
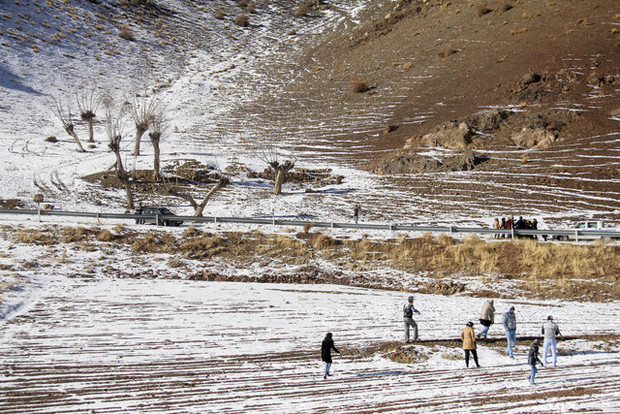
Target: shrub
242	20
358	84
251	7
127	34
445	240
302	10
322	241
105	236
219	14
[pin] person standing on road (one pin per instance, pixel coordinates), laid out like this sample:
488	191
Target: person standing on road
496	225
550	330
408	311
510	327
532	359
487	317
356	213
326	353
469	343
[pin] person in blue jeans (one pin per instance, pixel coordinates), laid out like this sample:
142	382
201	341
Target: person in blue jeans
510	326
326	353
532	359
550	330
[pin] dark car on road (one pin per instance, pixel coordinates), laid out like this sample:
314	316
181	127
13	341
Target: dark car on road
168	219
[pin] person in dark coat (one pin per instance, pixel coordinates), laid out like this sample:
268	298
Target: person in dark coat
532	359
326	353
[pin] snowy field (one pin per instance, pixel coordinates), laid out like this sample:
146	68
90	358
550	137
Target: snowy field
123	345
191	347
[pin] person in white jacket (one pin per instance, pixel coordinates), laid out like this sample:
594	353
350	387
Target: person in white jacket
550	330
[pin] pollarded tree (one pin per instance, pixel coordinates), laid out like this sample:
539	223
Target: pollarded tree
158	127
115	134
199	207
280	168
64	114
88	102
142	111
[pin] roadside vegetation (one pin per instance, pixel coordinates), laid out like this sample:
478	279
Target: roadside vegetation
534	269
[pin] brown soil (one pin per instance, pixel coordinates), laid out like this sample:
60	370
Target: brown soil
430	62
480	61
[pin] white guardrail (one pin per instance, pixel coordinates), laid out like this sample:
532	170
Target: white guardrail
576	234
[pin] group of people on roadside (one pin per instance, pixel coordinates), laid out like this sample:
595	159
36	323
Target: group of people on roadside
509	223
549	331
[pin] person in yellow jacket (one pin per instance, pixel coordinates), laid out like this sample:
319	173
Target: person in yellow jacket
469	343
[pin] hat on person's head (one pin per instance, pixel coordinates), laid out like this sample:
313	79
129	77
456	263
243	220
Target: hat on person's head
469	324
512	307
549	318
536	341
410	298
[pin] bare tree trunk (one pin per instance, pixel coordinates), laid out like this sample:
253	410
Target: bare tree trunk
277	188
140	130
280	171
128	193
201	207
72	133
91	135
120	170
155	137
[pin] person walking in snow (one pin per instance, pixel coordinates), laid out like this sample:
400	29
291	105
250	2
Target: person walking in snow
532	359
487	318
326	353
550	330
469	343
408	311
510	327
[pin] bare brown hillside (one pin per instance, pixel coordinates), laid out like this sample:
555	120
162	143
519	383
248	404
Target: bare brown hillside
425	63
472	55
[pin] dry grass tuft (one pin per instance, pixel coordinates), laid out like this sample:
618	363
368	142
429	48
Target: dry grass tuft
35	237
302	10
191	231
322	241
242	20
358	84
147	243
445	240
175	263
127	34
220	14
106	236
